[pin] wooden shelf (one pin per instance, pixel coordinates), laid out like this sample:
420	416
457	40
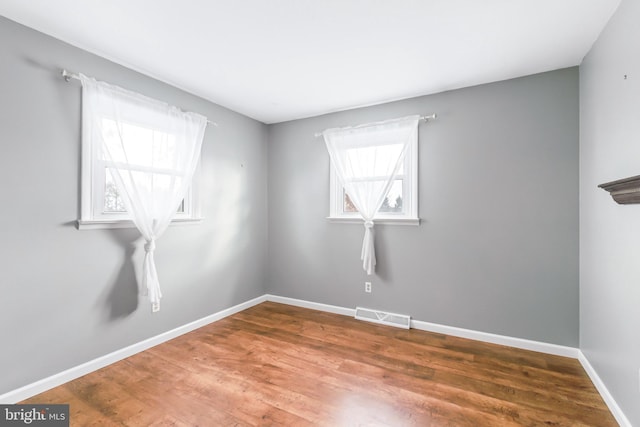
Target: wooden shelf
624	191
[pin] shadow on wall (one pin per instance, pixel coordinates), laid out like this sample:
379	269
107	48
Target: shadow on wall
383	262
123	296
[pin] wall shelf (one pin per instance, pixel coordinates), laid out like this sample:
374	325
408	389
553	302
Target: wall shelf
624	191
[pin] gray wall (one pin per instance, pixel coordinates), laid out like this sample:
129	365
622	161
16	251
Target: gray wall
610	233
497	250
68	296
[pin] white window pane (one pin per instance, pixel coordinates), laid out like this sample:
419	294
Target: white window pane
362	162
348	204
391	203
138	145
112	198
393	200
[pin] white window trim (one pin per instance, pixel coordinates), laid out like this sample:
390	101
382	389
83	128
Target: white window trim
410	217
127	223
378	221
92	196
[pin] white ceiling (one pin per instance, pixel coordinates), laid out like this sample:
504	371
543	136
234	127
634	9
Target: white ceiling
277	60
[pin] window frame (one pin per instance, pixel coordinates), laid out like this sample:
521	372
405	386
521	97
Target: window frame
409	216
92	188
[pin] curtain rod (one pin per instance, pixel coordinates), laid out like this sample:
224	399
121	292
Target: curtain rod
425	118
67	76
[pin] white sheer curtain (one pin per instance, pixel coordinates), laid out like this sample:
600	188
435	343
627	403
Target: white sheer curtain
366	159
151	150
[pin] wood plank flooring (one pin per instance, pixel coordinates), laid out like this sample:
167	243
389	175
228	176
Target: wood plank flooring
280	365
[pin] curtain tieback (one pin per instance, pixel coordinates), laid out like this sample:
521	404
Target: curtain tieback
150	246
368	224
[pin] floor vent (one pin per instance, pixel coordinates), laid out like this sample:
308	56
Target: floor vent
384	318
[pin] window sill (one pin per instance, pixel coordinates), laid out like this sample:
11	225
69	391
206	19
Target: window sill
383	221
106	224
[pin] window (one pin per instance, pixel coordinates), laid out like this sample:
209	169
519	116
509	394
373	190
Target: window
400	205
149	159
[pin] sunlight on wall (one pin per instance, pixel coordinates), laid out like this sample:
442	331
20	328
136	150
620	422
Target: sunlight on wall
227	206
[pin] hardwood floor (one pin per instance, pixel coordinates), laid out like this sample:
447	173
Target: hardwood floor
275	364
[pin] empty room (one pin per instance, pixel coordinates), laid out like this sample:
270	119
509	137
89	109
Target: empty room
320	213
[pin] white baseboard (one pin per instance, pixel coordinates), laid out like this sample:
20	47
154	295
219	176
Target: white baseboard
542	347
604	392
45	384
312	305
